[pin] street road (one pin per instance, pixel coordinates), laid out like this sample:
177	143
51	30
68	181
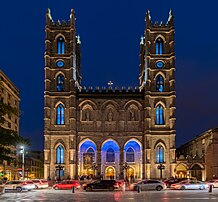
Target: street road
107	196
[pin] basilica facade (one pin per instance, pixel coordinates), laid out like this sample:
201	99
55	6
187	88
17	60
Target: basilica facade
109	132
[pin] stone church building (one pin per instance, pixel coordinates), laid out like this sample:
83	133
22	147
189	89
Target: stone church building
110	132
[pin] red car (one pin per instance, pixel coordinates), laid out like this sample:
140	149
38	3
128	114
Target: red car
67	184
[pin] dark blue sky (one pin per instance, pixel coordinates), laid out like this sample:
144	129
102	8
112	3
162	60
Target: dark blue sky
110	32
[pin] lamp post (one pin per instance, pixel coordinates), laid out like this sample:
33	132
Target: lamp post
161	167
59	168
125	167
94	166
22	151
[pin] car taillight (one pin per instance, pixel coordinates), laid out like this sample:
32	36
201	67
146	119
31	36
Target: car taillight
24	183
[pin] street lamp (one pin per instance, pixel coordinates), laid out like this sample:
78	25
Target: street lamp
94	166
22	152
59	168
161	167
125	167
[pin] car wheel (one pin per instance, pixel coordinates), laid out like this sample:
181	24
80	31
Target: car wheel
159	188
201	187
56	188
135	188
19	189
88	189
111	188
36	187
182	188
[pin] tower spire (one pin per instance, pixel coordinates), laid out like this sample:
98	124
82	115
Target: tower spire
148	18
170	18
49	20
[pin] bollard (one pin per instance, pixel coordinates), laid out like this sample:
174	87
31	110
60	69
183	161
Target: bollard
73	189
124	187
139	189
210	188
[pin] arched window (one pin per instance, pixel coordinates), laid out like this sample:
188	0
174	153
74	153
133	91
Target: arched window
60	115
110	155
159	46
60	82
159	83
60	155
159	154
90	150
60	45
159	115
130	157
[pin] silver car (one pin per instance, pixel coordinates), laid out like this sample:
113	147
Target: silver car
190	184
148	185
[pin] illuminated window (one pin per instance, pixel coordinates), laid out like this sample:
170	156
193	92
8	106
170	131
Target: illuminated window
60	155
110	155
60	115
130	157
60	45
159	154
60	82
159	115
159	83
159	46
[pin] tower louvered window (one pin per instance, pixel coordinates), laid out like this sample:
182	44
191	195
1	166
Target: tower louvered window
159	46
60	115
159	115
60	45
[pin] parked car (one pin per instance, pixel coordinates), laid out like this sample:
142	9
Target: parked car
40	183
213	182
67	184
19	185
148	185
190	184
170	181
101	185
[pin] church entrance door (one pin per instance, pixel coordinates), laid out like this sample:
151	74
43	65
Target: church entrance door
110	173
130	174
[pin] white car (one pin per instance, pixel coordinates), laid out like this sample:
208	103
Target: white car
214	183
29	185
18	185
40	183
190	184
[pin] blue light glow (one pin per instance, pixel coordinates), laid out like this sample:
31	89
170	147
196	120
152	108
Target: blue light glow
87	145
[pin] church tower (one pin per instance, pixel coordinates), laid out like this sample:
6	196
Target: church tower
157	79
62	78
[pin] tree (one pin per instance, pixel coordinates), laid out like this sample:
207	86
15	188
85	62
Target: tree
9	139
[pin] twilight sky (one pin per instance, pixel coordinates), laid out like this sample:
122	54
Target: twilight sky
110	33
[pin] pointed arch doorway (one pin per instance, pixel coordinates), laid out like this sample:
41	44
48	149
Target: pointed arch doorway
110	173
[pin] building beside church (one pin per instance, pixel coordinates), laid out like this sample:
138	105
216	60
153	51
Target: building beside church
112	132
198	158
9	95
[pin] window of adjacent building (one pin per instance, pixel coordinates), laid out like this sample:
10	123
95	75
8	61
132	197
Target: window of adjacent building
159	154
159	83
60	82
110	155
60	155
60	115
159	46
159	120
130	157
60	45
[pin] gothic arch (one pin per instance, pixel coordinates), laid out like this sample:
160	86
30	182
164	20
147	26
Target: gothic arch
60	35
160	103
58	73
160	142
107	103
84	140
199	164
183	164
133	102
160	73
59	102
88	102
133	139
59	142
160	36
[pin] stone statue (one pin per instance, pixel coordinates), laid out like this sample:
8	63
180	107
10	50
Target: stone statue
87	115
132	115
110	116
